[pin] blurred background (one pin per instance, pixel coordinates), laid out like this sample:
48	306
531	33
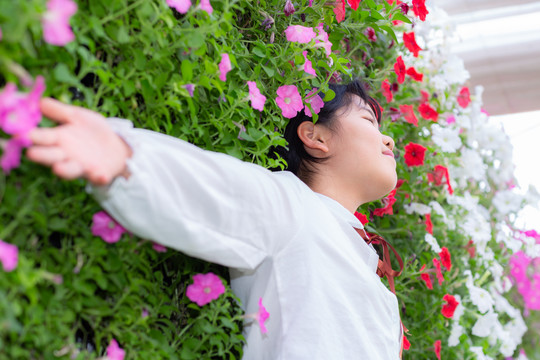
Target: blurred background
499	41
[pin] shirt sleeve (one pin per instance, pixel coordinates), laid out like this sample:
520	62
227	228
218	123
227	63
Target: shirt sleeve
205	204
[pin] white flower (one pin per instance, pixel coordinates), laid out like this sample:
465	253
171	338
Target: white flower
502	305
532	249
418	208
477	228
446	138
479	353
472	165
430	239
457	331
438	209
454	70
507	201
460	310
522	356
479	297
510	242
516	328
485	325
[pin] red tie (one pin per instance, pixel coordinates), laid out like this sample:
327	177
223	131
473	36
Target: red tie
384	267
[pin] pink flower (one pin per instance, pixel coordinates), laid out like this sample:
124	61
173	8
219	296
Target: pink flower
9	256
19	113
159	248
451	119
385	88
206	6
205	288
106	227
307	65
437	265
437	349
224	67
289	100
11	157
299	34
370	34
429	224
1	34
289	8
189	88
315	101
181	6
408	114
56	29
257	99
322	40
114	351
262	316
464	97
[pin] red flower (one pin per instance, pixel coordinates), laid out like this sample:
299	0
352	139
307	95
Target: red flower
426	278
363	218
354	4
414	154
437	175
399	68
388	203
385	86
415	75
428	112
419	8
429	224
425	96
437	265
339	10
471	249
370	34
446	259
437	344
409	40
406	343
450	306
464	97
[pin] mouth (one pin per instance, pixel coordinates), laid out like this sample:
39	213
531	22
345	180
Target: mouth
389	153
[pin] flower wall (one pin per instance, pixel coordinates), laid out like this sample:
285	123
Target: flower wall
226	75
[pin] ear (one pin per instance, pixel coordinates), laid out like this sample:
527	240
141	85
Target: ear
315	137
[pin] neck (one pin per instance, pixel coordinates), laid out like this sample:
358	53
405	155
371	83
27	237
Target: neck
345	194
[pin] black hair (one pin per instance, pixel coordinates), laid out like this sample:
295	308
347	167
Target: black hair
299	161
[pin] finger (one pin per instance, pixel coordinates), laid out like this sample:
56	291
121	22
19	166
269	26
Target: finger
56	110
44	136
46	155
68	169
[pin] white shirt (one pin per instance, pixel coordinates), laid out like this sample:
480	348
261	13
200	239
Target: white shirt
283	242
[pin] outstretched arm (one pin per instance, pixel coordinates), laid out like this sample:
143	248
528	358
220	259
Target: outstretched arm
205	204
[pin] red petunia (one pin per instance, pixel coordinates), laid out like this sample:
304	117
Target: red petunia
399	68
429	224
354	4
450	307
426	278
437	265
409	40
425	96
446	259
428	112
408	114
339	10
464	97
406	343
385	88
388	202
363	218
437	344
414	74
414	154
471	248
437	175
419	8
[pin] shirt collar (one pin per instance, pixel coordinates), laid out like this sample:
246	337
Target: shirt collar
340	212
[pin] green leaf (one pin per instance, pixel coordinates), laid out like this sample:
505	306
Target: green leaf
398	15
329	95
187	70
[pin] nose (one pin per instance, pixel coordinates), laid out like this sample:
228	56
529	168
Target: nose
388	142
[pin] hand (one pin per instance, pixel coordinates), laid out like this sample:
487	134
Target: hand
83	145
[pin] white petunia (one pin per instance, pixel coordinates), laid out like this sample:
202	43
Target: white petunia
477	228
479	297
430	239
479	352
485	324
457	331
418	208
507	201
446	138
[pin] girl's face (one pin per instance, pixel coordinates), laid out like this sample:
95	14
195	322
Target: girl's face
361	155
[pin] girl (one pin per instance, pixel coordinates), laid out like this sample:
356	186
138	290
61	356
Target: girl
289	237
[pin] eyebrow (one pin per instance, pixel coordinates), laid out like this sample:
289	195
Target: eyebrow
363	107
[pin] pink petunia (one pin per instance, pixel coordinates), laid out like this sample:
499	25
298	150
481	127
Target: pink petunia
56	29
1	35
429	224
206	6
262	316
9	256
11	156
464	97
257	99
437	349
315	101
205	288
385	88
300	34
370	34
19	112
289	100
190	88
322	39
437	265
182	6
106	227
308	67
224	67
289	8
451	120
114	351
408	114
159	248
